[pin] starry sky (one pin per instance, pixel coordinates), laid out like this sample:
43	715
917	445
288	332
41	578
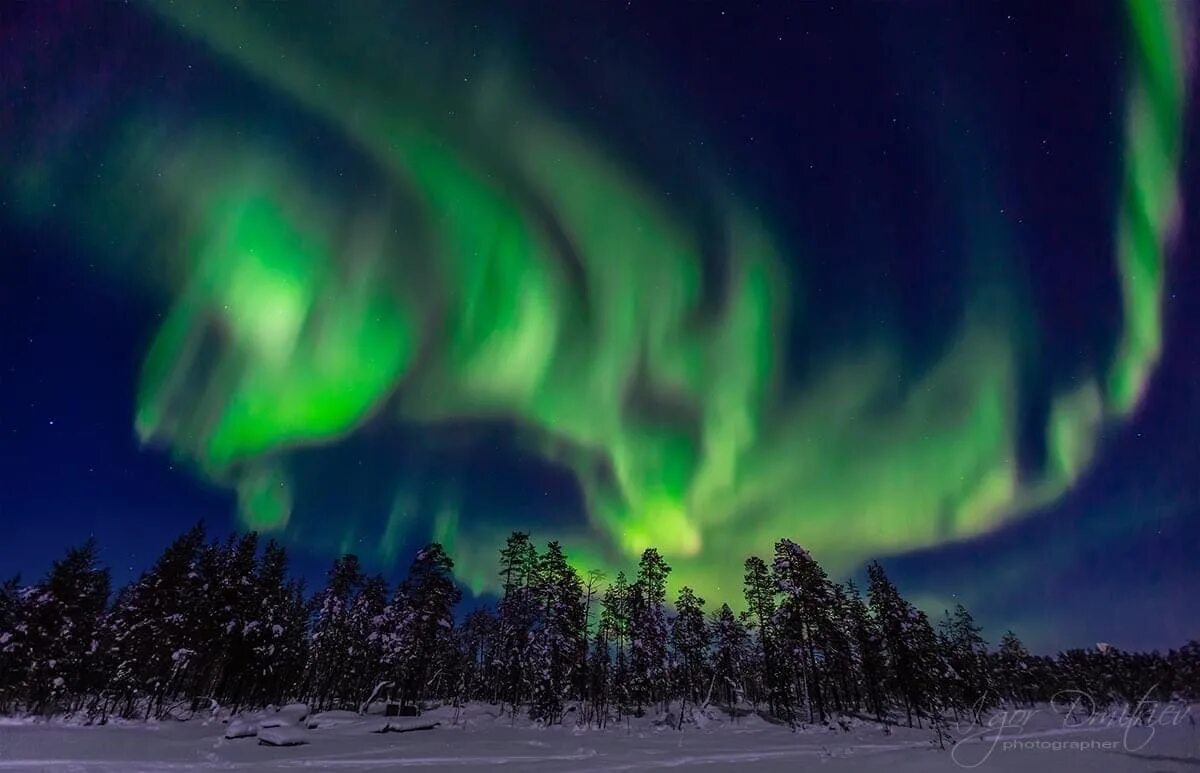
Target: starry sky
907	282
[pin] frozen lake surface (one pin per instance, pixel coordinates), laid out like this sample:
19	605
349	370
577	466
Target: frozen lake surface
481	738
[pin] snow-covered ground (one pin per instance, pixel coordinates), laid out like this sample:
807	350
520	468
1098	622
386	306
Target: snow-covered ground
479	738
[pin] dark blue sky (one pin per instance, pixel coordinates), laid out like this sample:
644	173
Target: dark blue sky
858	128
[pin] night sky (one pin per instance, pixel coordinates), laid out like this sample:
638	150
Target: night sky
915	282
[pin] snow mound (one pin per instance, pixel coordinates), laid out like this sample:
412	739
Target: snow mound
291	715
331	719
294	713
407	725
242	728
282	736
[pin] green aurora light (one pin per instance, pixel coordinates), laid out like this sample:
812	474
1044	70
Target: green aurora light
526	274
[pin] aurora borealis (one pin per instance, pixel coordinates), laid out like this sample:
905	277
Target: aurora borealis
373	234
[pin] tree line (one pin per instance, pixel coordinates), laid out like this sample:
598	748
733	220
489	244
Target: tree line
223	624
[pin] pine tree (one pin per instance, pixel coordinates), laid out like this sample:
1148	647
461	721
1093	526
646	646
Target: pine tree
608	668
648	631
1011	664
217	622
802	618
928	671
1186	666
869	653
968	684
62	615
556	646
759	591
731	649
330	643
422	625
477	640
689	642
591	589
209	614
893	615
152	620
13	663
231	605
840	662
516	615
518	560
275	632
363	669
591	677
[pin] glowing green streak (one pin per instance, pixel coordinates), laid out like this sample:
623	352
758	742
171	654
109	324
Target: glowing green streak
1074	422
301	348
1150	201
265	499
299	315
1148	210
